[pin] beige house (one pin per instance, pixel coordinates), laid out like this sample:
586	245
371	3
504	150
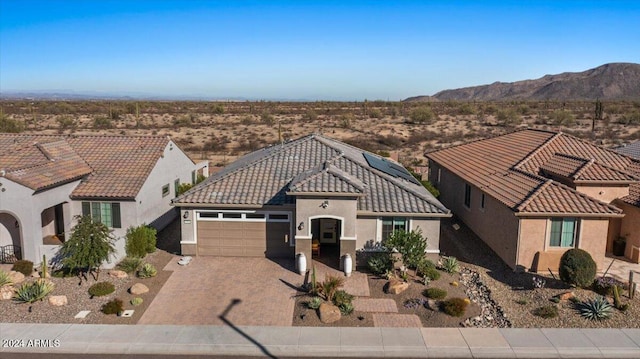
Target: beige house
47	180
532	194
313	192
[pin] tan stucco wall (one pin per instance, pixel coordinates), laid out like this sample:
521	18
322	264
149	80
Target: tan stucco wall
496	224
430	228
311	207
534	240
604	194
367	231
630	227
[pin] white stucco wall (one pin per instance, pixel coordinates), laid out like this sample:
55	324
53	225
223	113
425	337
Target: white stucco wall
173	165
27	207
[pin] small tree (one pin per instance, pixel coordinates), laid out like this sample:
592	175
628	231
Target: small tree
411	245
91	243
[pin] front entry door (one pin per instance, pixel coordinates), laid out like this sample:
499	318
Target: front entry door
328	230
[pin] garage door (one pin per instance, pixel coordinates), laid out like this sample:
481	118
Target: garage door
243	238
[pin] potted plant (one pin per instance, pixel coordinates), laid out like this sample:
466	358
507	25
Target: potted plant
619	245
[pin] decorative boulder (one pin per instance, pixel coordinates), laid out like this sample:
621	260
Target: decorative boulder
329	313
6	292
138	289
566	295
58	300
16	277
115	273
432	304
396	286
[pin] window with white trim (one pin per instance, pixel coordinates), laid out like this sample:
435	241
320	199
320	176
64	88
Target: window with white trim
564	232
107	213
393	224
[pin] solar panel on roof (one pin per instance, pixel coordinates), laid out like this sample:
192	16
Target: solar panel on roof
389	167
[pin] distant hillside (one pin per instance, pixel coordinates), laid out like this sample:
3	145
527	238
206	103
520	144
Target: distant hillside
615	81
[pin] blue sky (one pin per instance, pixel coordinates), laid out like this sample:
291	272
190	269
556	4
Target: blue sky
315	50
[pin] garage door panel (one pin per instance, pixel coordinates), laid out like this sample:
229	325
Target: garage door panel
243	239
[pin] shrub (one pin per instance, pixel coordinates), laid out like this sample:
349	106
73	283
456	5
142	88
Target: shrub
432	274
455	307
450	265
140	241
4	278
9	125
435	293
130	264
330	285
577	268
136	301
34	291
422	115
380	263
547	311
411	245
604	285
424	265
114	306
595	309
314	303
147	271
23	266
101	289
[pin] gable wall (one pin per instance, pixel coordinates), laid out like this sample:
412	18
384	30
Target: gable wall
496	224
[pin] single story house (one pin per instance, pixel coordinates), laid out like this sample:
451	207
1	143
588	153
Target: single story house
532	194
631	149
281	200
47	180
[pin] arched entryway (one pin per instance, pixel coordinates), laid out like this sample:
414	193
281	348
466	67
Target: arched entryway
325	237
10	238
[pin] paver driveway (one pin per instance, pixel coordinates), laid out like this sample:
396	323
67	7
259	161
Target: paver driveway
202	291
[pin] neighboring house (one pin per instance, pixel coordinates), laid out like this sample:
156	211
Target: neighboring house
278	201
532	194
632	150
47	180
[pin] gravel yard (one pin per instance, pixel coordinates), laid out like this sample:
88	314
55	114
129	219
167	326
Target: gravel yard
515	293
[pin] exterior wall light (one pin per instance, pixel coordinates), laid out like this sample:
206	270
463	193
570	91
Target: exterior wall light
301	226
325	204
185	215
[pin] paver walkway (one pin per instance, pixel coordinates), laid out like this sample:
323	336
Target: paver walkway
375	305
357	284
395	320
248	291
619	268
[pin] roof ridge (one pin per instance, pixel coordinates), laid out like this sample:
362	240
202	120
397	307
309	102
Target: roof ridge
586	165
344	176
597	163
610	150
213	179
537	150
534	194
489	138
587	197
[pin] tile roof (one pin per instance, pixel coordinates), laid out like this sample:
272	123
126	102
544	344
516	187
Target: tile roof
631	150
315	163
110	166
510	168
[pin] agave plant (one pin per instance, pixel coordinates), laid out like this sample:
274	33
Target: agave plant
330	286
595	309
450	265
147	271
34	291
4	278
314	303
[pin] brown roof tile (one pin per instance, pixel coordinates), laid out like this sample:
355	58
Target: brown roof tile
112	166
509	168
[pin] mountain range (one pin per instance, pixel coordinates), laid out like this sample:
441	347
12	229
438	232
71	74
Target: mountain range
613	81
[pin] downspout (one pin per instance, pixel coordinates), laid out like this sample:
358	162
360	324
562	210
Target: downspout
518	243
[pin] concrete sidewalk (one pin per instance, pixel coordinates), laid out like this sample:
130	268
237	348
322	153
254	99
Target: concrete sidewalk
320	342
